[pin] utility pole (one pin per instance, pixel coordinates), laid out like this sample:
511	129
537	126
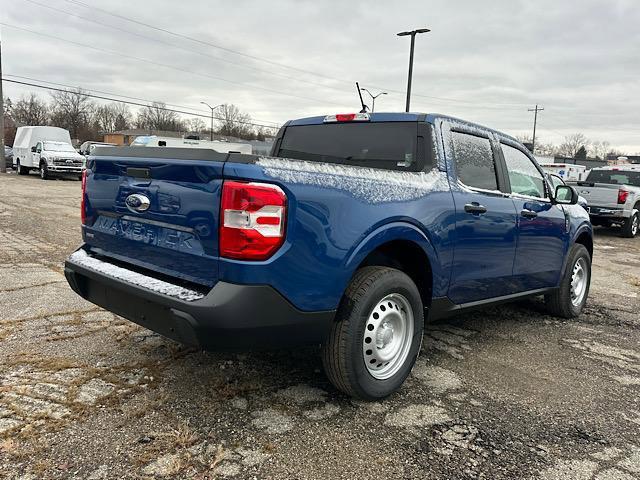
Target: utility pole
3	162
535	123
413	34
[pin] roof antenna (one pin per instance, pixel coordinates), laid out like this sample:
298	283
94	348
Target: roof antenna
364	107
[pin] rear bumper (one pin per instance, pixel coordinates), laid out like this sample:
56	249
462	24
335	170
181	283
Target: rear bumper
229	316
608	212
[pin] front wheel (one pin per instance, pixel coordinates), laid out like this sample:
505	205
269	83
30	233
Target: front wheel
570	298
377	335
44	172
632	225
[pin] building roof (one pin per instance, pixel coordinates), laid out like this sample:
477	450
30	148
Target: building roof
146	131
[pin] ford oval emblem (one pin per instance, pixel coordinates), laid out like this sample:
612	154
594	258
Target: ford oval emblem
137	202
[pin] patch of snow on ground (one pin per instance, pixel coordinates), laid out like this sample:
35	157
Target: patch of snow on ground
84	260
368	184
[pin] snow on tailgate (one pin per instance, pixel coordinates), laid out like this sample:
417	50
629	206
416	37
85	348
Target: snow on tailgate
368	184
81	258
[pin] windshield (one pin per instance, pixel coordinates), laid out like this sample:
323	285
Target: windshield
389	145
615	177
58	147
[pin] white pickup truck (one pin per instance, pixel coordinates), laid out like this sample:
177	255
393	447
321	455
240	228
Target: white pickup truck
48	150
613	196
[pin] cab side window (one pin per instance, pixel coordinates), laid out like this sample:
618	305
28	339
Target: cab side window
474	161
524	177
38	147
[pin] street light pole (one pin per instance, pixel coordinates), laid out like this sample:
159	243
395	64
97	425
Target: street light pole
212	109
373	98
413	34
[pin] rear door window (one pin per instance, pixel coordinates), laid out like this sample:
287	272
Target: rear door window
524	177
388	145
614	177
474	160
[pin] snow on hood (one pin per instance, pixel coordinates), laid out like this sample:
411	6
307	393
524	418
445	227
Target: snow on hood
53	154
368	184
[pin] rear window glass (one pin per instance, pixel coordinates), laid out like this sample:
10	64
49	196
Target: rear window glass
614	177
474	161
388	145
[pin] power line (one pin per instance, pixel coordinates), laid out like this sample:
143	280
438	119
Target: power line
202	42
281	65
151	62
71	87
100	97
192	51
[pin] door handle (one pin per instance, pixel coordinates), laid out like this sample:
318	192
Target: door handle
528	213
475	208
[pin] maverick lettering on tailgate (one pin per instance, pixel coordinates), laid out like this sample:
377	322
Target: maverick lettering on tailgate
150	234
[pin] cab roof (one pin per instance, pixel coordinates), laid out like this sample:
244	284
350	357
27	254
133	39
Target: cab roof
402	117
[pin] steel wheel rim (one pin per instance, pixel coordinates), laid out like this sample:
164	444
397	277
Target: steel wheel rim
634	224
41	172
579	281
388	336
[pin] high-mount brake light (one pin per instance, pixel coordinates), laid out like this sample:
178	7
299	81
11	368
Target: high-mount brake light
252	220
347	117
622	196
83	214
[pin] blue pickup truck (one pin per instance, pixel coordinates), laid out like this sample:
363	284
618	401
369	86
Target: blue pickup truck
357	230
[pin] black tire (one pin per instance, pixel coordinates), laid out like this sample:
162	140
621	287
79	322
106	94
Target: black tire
560	303
44	171
632	226
21	170
342	354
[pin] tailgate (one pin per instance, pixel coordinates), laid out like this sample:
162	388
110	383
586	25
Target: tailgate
157	209
599	194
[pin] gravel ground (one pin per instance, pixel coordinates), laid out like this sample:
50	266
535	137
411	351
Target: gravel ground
507	392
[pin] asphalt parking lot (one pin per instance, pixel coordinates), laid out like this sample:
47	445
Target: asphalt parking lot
507	392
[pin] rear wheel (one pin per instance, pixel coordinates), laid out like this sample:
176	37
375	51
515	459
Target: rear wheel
571	297
632	225
377	334
21	170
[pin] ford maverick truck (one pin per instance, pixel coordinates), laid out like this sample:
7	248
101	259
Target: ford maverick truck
357	230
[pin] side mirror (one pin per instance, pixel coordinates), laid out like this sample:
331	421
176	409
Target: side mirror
33	149
566	195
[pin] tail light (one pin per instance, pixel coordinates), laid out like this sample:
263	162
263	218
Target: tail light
83	214
252	220
622	196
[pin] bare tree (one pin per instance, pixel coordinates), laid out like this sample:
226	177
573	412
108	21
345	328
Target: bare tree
572	144
73	110
30	111
600	149
233	122
157	117
195	125
112	117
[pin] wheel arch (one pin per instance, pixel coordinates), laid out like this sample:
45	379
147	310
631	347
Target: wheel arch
402	246
585	237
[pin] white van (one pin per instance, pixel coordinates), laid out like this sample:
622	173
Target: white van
567	171
220	147
47	149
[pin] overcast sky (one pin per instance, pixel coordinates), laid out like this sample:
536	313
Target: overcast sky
486	61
